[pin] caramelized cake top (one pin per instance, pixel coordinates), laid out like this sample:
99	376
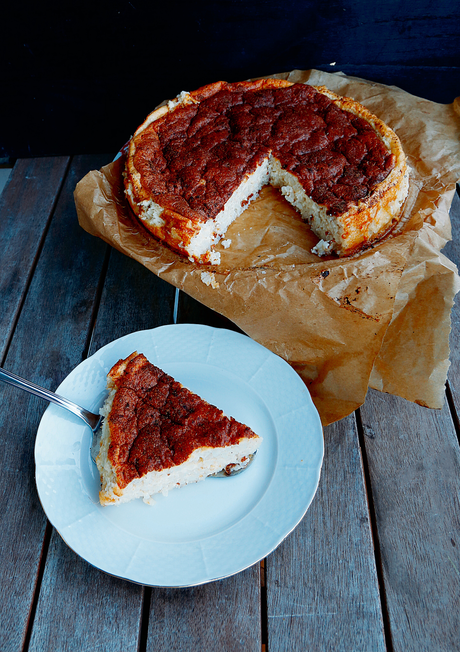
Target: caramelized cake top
193	158
156	423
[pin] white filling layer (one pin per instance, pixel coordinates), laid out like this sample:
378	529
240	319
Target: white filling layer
323	225
152	213
213	230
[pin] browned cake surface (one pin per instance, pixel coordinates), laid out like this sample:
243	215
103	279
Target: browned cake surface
155	422
192	159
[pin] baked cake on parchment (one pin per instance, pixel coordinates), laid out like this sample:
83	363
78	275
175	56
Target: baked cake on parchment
196	162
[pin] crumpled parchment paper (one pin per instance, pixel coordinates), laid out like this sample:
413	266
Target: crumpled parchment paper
380	319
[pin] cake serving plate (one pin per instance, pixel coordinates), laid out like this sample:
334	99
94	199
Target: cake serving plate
201	532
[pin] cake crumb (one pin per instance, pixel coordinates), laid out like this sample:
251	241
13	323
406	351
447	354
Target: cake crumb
209	278
322	248
183	98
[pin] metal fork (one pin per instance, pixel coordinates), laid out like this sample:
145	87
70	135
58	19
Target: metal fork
92	420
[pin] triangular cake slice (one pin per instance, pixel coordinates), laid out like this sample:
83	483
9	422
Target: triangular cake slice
158	435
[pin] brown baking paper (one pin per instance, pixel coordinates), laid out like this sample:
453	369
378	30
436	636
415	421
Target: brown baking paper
343	324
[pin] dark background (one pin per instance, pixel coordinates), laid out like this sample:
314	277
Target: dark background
80	77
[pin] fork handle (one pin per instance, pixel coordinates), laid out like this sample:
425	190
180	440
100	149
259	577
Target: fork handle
92	420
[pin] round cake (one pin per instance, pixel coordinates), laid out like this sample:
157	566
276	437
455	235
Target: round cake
196	162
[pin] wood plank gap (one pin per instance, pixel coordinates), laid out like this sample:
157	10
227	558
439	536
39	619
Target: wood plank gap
263	606
97	303
33	266
144	621
374	534
40	571
176	305
453	412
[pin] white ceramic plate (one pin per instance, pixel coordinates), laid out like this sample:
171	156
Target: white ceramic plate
204	531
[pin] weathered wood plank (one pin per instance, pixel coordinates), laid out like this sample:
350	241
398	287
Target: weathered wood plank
223	615
414	466
22	521
132	299
193	312
26	204
49	340
83	609
322	586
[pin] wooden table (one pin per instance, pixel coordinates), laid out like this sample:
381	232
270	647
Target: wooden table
373	566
